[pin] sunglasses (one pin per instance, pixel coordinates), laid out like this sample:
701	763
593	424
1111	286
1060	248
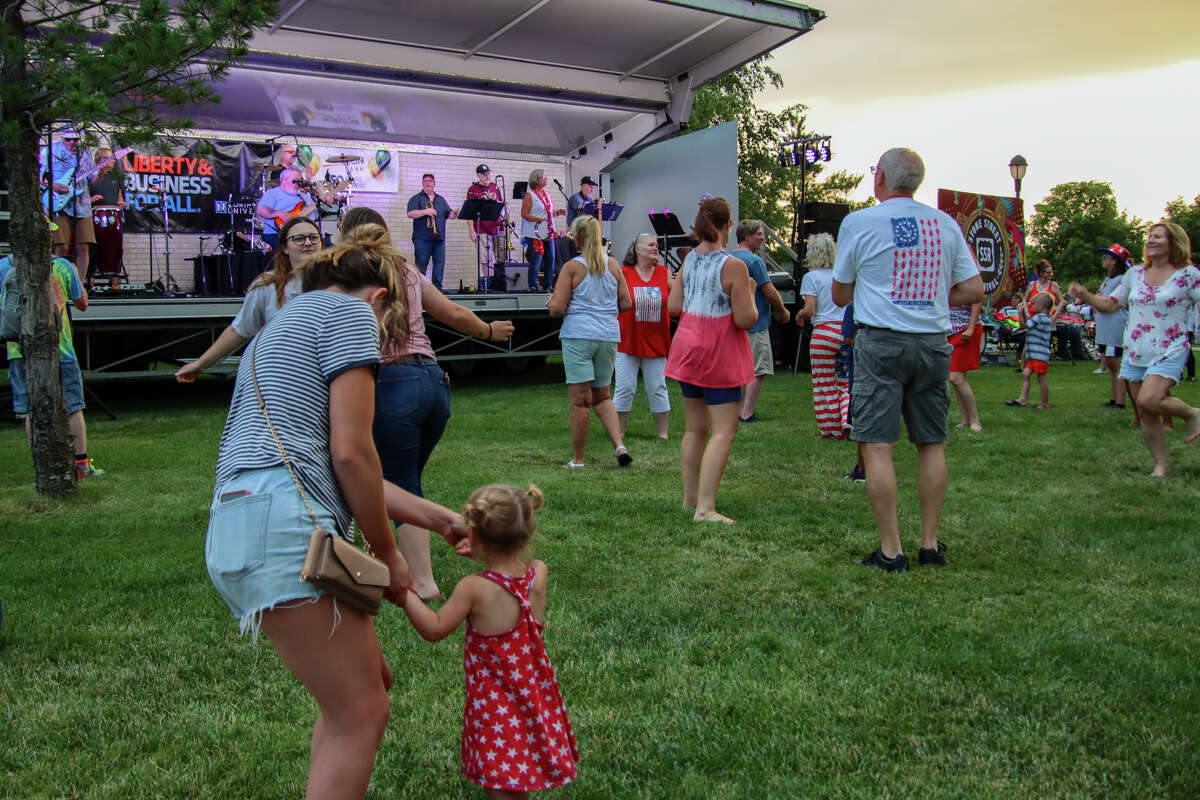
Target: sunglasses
305	238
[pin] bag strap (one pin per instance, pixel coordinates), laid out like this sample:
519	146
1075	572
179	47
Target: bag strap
262	406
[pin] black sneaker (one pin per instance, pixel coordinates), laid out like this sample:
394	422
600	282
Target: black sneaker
856	475
878	559
932	556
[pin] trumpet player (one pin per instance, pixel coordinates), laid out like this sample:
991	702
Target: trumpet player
429	211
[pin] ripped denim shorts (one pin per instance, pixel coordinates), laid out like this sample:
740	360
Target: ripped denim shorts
258	532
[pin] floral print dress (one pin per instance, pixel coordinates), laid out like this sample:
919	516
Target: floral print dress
1158	315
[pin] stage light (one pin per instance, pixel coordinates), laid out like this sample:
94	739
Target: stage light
825	152
810	154
785	158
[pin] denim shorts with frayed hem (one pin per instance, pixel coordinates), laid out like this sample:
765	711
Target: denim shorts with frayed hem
257	539
69	376
1169	368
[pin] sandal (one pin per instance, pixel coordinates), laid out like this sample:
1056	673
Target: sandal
572	465
1014	403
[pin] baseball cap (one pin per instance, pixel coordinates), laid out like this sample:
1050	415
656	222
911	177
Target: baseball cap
1116	251
587	180
69	133
482	168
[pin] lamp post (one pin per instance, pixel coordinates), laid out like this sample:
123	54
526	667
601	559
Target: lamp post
1017	168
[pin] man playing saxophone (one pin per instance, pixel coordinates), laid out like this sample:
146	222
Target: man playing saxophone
429	211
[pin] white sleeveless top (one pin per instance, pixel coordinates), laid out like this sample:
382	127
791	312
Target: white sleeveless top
538	230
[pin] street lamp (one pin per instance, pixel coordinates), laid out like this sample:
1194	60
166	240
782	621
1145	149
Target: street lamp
1017	168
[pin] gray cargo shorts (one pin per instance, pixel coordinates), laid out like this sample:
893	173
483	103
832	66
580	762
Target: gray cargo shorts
900	374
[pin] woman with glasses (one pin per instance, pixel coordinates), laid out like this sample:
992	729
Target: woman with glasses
645	334
299	238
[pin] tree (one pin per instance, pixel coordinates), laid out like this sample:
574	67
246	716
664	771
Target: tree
113	66
1189	217
767	190
1072	221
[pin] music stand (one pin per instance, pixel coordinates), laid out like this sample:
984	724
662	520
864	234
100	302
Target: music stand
610	211
478	210
519	190
666	226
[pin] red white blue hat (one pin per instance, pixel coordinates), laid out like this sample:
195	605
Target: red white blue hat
1117	252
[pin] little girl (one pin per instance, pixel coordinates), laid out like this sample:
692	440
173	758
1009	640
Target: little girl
516	737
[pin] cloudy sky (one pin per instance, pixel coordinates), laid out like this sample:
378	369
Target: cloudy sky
1098	90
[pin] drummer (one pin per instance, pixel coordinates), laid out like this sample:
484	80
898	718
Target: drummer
106	187
281	204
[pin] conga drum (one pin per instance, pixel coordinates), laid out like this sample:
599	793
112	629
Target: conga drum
107	220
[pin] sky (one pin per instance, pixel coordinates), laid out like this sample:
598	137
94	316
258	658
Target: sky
1100	90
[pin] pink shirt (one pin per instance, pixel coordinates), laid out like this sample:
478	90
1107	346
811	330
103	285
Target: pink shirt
418	341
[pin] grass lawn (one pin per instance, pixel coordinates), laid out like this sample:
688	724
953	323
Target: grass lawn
1055	657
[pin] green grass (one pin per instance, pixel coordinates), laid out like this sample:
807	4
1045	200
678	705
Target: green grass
1055	657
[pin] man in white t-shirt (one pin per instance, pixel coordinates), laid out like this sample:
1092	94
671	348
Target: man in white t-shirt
903	264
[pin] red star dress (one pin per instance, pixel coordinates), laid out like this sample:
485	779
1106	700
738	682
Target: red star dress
516	735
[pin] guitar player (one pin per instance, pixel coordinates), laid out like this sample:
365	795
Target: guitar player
281	203
75	217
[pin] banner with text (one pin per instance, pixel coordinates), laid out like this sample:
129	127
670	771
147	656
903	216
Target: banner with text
191	183
995	230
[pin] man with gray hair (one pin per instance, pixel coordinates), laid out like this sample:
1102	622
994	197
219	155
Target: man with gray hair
750	237
903	264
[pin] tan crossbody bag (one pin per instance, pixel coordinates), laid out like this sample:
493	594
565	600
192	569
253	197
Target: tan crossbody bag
354	576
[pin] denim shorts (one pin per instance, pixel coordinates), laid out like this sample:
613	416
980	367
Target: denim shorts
898	375
412	407
1169	368
589	361
71	379
257	541
711	397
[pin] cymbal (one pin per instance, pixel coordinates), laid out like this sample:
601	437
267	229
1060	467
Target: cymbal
267	168
342	159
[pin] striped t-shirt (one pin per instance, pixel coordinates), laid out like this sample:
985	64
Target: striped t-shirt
313	339
1037	340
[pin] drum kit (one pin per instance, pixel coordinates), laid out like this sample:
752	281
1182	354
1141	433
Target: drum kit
331	196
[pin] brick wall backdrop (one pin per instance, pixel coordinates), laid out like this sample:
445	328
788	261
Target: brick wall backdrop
455	171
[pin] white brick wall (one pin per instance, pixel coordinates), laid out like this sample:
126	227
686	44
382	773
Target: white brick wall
455	171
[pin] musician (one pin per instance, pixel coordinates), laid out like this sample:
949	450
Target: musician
429	211
581	202
489	230
106	188
70	163
282	203
539	230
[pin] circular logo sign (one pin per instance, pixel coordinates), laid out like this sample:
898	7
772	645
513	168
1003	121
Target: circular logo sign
987	241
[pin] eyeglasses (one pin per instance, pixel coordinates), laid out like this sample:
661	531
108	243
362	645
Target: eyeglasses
874	170
305	238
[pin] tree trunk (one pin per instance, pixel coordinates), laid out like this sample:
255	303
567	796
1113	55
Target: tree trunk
53	454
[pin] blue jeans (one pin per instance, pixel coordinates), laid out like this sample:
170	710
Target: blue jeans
412	406
536	261
423	249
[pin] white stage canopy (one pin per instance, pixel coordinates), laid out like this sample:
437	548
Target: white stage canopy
550	77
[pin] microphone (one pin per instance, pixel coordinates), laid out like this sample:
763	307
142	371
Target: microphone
556	183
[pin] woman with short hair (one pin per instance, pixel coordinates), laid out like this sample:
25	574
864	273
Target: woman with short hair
538	230
831	403
645	334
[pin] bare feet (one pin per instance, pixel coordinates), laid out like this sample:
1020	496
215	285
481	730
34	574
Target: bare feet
1193	427
1159	472
977	426
688	504
1043	405
711	516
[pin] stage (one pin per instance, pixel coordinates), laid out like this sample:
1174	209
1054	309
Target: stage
139	337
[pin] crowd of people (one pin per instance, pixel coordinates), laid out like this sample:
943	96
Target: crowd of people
340	402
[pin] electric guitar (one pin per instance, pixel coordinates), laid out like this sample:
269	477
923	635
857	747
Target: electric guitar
76	184
298	210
